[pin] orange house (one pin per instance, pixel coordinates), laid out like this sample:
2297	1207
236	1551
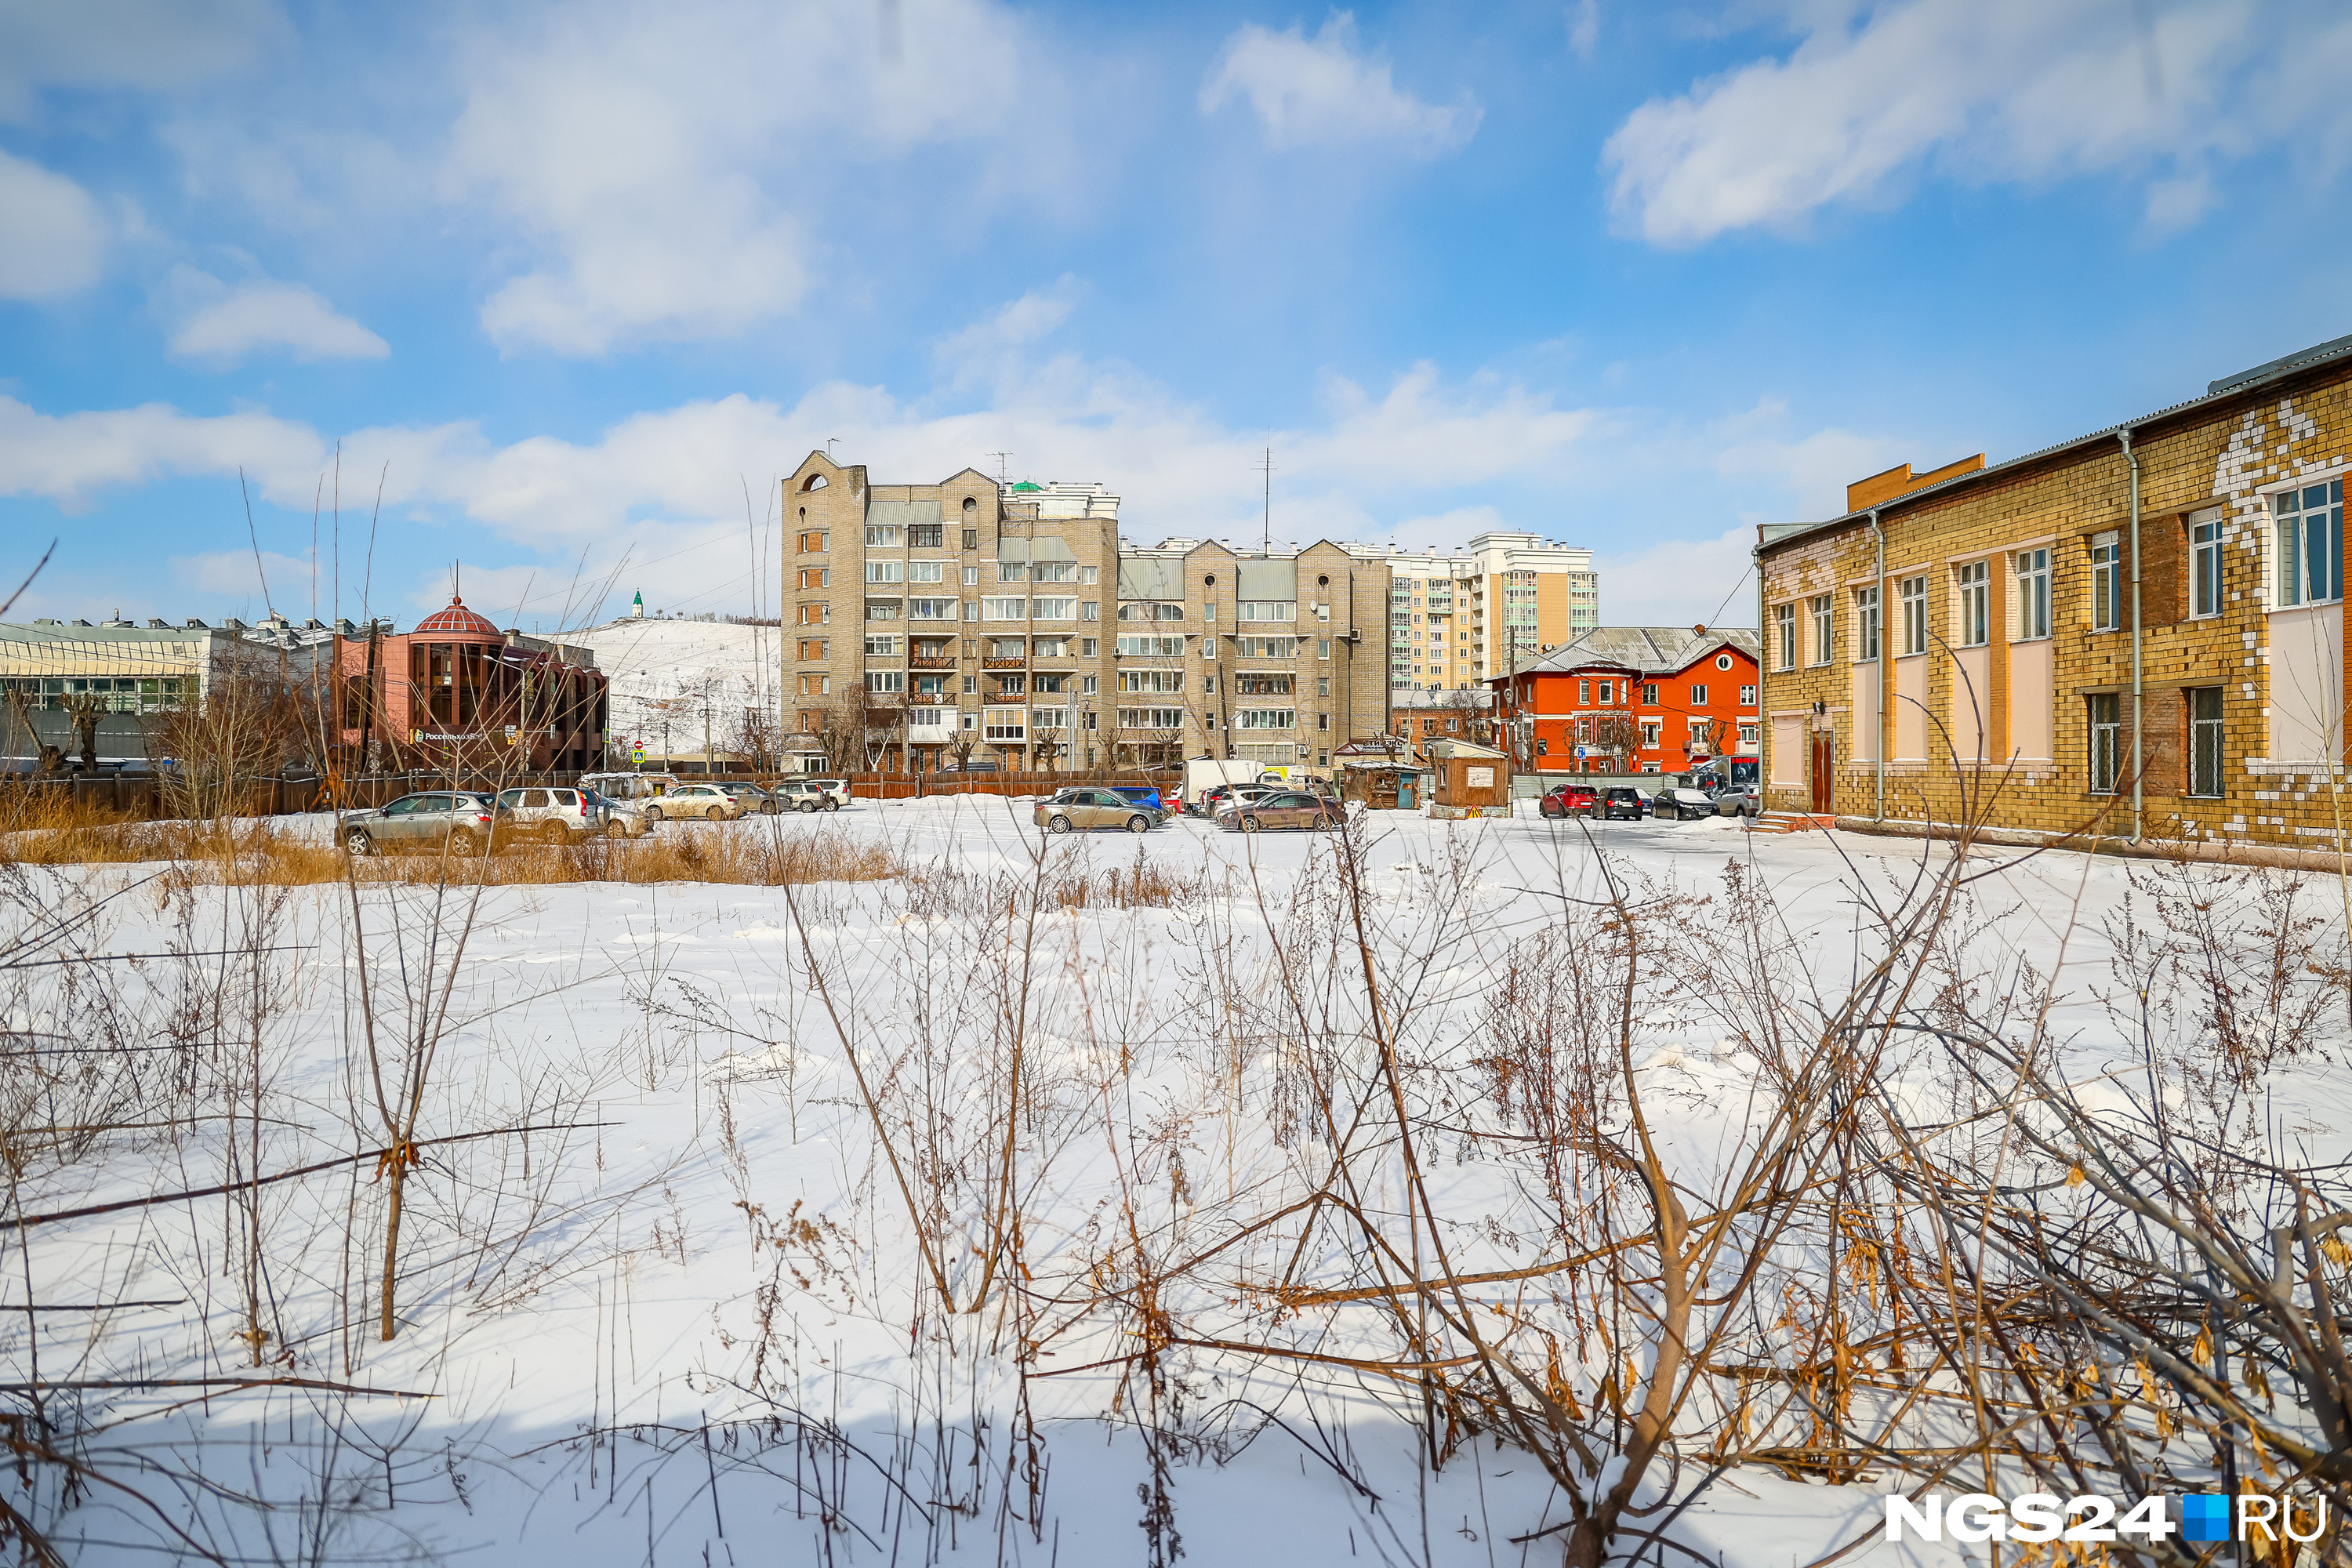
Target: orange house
457	691
1649	699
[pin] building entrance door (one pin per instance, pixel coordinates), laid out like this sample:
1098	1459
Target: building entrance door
1825	774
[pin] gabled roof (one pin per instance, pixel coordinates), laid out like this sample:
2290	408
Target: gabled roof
1643	650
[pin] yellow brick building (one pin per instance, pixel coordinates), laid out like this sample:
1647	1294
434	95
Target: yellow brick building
2138	633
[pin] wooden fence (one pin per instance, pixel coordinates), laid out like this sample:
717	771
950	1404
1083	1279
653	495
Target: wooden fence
139	796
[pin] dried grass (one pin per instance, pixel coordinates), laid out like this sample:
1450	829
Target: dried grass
262	854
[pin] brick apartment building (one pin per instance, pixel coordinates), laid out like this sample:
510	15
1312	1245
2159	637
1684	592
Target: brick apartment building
2138	632
1643	699
968	619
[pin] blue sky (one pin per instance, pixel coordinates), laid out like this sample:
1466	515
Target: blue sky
566	280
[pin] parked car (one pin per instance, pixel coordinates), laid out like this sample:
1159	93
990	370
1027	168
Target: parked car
1737	800
623	818
1676	802
1216	800
639	794
1569	800
1283	808
752	799
459	819
837	790
550	815
704	800
1142	795
1091	808
804	795
1621	800
976	765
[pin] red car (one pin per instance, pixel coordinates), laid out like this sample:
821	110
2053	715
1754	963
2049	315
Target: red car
1569	800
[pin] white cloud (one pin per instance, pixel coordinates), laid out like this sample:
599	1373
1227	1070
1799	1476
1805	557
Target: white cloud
1680	582
52	237
140	44
222	325
670	171
1982	91
1583	27
233	572
1323	92
69	457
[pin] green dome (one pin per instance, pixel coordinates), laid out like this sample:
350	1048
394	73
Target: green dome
1025	487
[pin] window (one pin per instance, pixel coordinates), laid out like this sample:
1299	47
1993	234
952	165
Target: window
1865	624
1049	718
882	609
924	536
816	615
2032	593
970	685
1913	593
1003	725
1822	648
972	539
1088	685
1151	648
1209	685
1151	719
817	685
1011	686
1266	648
1747	697
930	609
1158	681
2107	737
1091	610
1322	647
927	571
1784	628
1584	692
882	646
1045	685
1261	683
1268	610
2205	562
1054	609
972	576
886	570
2204	740
812	647
1088	575
817	577
1209	613
1322	686
1748	733
1053	571
1698	696
884	536
2106	583
1266	718
1089	647
813	543
1003	609
2310	522
1608	692
1976	603
886	680
1649	694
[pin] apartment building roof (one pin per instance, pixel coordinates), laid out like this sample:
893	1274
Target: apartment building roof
1645	651
2335	352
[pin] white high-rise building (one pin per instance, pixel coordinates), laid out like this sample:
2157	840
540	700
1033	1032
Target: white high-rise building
1457	618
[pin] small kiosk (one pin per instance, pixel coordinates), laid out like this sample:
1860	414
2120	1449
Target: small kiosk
1471	780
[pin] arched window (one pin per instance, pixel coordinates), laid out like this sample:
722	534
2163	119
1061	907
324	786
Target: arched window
814	482
970	506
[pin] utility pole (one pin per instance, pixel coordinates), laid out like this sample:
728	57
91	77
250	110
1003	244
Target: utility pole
1003	467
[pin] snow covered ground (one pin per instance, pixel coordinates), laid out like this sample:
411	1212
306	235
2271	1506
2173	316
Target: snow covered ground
698	1327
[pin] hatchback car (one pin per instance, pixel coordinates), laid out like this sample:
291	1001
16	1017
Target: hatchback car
551	815
1569	800
1283	808
1677	803
459	819
1141	794
1092	807
1623	800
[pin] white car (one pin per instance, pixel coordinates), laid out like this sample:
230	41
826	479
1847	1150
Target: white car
554	815
836	791
691	800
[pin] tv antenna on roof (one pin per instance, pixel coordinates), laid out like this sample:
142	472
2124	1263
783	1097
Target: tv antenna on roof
1266	521
1004	463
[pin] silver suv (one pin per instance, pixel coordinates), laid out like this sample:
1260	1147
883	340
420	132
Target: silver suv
461	819
636	794
805	796
554	815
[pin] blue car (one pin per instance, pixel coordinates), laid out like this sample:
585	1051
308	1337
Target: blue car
1141	794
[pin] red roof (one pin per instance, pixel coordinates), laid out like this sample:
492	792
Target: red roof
457	620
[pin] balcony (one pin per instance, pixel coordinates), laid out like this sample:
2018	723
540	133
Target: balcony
1004	663
931	661
928	697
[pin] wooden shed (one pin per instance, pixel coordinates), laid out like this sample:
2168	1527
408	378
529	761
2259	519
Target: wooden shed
1471	780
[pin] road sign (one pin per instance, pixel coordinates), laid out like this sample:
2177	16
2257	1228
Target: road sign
1581	753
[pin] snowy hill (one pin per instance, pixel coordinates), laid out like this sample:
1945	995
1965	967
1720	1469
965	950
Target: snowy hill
668	675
